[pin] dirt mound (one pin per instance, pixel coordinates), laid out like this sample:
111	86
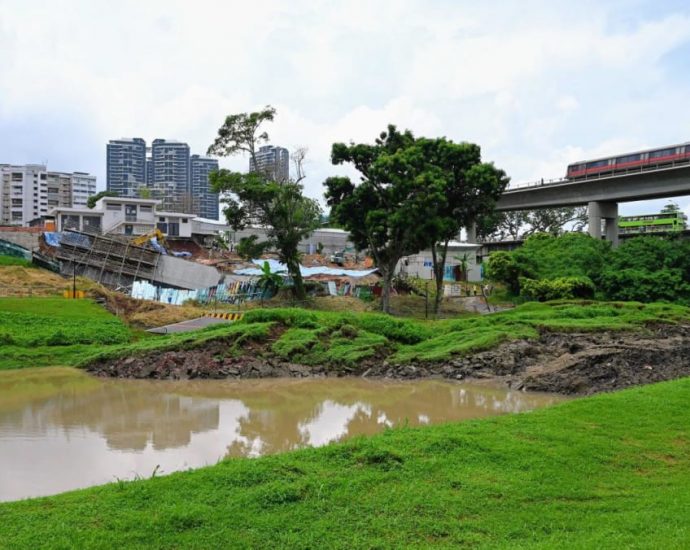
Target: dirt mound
573	364
143	313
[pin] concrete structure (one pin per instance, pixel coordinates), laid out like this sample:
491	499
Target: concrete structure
28	191
126	166
204	202
601	194
420	265
26	237
273	162
123	216
181	273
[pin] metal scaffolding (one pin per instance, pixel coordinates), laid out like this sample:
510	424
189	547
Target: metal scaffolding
110	260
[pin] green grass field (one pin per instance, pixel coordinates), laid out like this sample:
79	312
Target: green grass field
342	338
55	331
13	260
611	471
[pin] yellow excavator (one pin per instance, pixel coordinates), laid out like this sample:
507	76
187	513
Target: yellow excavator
143	239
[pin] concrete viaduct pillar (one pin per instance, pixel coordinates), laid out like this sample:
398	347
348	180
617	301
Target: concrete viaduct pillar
607	211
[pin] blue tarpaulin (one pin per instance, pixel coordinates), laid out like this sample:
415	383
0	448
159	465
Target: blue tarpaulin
66	237
276	266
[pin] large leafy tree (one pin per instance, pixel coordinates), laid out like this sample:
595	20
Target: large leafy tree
254	198
386	213
415	193
465	189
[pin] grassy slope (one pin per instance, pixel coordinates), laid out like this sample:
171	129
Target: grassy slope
54	331
610	471
12	261
342	338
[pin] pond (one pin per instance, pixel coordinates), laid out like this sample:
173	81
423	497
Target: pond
62	429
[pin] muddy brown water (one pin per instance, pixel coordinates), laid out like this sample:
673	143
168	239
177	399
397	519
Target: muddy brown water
61	429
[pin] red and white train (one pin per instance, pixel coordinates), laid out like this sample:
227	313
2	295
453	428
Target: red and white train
651	158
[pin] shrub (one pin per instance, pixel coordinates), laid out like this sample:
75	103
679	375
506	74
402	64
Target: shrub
561	288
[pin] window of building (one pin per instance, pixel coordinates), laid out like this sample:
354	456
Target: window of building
184	220
70	221
92	223
113	206
17	176
143	208
129	230
161	219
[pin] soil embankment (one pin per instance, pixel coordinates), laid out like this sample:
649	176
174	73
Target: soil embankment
572	363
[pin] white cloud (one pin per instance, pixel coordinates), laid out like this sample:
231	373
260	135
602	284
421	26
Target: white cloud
537	84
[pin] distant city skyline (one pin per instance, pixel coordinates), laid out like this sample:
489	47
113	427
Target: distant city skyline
167	170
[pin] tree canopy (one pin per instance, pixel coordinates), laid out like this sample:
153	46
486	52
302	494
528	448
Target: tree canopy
414	193
642	268
253	198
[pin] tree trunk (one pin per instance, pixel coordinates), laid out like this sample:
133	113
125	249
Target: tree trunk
387	278
297	283
439	261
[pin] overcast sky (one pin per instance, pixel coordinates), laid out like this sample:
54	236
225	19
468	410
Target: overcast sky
536	84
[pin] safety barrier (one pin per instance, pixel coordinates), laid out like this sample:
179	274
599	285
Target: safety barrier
228	316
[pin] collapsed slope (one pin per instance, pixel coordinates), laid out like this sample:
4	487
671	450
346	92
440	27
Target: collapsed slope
573	348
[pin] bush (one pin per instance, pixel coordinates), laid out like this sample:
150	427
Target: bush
561	288
645	286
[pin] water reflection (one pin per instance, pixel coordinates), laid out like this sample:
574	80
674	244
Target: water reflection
60	429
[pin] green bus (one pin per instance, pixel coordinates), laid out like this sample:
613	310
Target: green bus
665	222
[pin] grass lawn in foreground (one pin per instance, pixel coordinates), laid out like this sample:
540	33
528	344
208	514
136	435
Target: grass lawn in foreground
611	471
54	331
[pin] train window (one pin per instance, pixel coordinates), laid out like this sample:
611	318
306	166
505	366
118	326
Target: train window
597	163
662	153
628	158
575	167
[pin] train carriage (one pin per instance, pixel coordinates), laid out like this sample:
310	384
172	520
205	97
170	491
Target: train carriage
648	159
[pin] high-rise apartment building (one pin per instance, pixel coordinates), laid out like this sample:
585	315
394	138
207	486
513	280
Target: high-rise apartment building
126	166
170	172
83	186
204	202
273	162
28	191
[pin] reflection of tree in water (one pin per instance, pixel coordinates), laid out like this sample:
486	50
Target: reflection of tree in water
129	415
276	415
286	415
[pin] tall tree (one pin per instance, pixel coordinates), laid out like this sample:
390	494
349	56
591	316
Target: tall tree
240	133
386	213
467	190
281	208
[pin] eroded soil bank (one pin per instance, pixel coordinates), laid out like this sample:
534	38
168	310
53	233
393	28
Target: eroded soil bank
572	363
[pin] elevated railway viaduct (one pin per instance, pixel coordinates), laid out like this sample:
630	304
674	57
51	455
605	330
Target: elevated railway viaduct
601	193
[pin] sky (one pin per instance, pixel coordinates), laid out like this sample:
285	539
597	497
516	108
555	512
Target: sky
537	84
